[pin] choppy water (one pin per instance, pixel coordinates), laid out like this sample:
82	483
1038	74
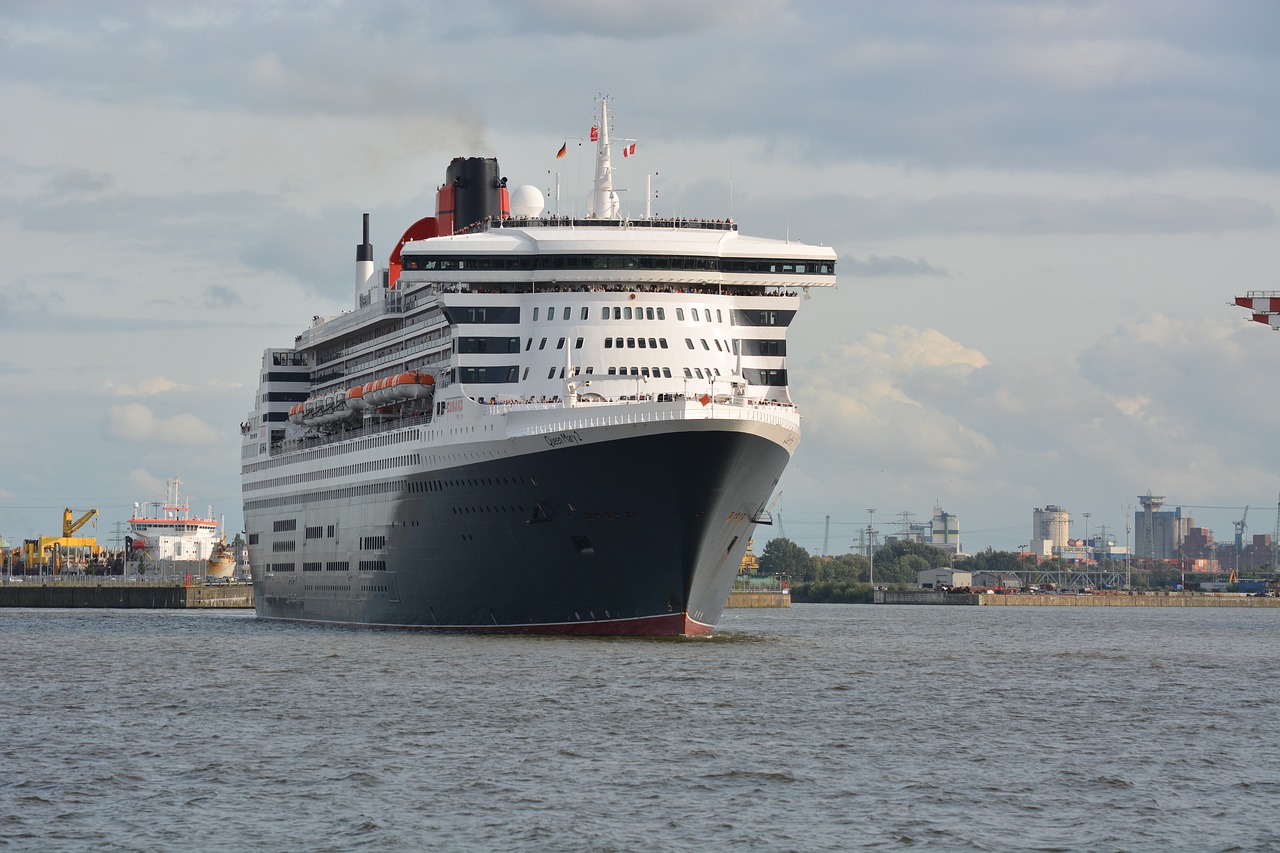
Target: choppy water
822	727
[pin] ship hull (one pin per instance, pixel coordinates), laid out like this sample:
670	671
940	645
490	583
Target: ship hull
634	535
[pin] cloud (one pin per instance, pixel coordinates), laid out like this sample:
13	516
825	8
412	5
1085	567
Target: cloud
144	387
137	424
893	265
997	213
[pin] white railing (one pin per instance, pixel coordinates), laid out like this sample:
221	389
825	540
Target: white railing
575	418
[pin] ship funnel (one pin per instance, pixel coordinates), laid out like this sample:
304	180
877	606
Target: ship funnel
364	265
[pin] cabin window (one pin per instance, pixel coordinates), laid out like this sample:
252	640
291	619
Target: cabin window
560	344
543	345
626	313
688	374
666	372
680	314
719	319
528	345
604	313
577	344
525	375
617	313
718	347
613	371
662	313
631	343
590	370
644	371
653	343
698	371
551	313
704	345
689	341
648	313
585	312
662	342
640	342
535	313
567	310
552	373
608	343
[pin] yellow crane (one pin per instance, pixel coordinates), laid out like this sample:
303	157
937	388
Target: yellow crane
52	551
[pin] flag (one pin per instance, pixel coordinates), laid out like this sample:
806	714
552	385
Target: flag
595	133
704	399
563	149
629	150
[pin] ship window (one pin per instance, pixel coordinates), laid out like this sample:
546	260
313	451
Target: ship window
689	341
704	344
535	313
567	309
718	347
644	371
617	313
590	370
653	344
662	313
648	313
640	342
585	312
679	313
688	374
551	313
719	319
543	345
626	313
604	313
631	343
608	343
577	344
613	371
562	373
526	346
526	375
560	344
666	372
717	370
662	342
693	314
552	373
635	372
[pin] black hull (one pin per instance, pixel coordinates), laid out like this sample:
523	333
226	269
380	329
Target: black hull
639	535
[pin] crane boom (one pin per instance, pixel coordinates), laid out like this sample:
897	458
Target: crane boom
69	527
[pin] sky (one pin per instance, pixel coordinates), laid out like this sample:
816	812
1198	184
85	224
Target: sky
1041	212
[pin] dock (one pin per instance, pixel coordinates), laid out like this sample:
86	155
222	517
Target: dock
1137	599
746	598
131	595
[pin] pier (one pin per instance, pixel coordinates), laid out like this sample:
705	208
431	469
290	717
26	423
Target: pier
133	595
1137	599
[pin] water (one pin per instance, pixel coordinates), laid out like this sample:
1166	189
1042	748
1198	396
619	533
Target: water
822	727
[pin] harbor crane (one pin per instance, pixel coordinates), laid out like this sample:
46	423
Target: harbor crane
1241	526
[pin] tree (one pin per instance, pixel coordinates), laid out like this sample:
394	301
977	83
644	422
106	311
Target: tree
786	559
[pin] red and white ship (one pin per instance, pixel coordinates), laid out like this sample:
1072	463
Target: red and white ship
166	539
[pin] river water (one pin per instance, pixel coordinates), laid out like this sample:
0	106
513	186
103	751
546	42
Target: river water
822	727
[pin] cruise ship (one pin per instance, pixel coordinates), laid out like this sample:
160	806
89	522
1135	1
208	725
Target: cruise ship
529	422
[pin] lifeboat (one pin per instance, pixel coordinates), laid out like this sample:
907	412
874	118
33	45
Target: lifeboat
295	413
411	385
355	399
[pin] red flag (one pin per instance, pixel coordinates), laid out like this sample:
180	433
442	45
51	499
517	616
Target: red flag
632	149
704	399
563	148
624	152
595	133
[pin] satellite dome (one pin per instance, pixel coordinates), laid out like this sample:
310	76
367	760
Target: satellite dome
527	201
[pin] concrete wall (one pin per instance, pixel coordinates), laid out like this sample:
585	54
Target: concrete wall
127	596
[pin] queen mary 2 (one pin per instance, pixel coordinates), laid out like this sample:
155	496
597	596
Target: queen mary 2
528	422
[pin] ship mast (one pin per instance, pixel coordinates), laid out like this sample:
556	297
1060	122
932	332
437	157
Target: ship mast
603	203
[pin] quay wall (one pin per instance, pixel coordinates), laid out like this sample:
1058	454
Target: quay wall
1161	599
759	598
126	596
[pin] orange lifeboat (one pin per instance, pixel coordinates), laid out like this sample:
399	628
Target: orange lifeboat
355	399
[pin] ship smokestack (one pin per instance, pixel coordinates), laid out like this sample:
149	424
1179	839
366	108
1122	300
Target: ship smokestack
364	267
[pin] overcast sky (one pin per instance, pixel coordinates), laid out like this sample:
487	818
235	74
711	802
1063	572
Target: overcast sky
1041	211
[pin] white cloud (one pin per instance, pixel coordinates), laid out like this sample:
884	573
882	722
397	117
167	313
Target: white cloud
136	424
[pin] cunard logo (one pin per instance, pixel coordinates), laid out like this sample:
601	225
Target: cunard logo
562	439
